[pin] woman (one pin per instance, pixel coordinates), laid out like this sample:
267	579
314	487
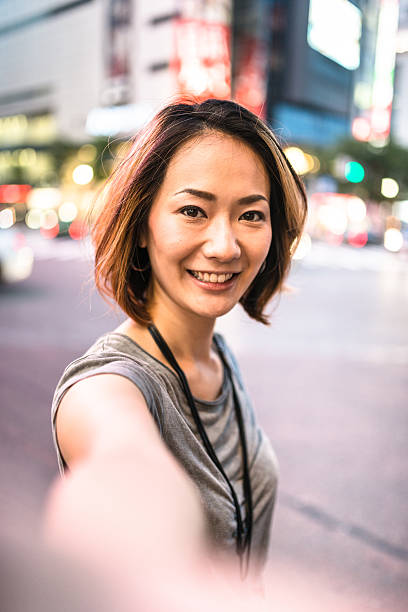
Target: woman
202	214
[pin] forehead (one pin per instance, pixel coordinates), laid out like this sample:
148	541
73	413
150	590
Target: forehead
214	159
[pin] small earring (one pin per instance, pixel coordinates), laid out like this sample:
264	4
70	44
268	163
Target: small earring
262	268
144	256
136	268
147	267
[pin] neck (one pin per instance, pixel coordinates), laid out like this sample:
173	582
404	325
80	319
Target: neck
188	336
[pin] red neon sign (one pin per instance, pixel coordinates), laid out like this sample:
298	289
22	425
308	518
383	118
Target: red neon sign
250	89
14	194
202	58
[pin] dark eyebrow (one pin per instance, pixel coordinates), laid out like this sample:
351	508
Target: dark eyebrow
206	195
252	198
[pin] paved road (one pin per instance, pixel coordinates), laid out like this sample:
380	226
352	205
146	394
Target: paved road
329	382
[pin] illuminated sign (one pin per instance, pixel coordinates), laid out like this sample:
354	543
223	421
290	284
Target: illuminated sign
118	45
383	88
250	85
202	58
334	30
114	120
12	194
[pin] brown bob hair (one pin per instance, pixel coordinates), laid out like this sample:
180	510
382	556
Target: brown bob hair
122	270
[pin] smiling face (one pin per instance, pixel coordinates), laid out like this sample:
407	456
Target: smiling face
209	220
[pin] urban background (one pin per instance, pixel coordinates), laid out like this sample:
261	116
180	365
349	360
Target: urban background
329	376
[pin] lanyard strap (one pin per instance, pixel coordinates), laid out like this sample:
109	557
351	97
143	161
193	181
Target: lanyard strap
244	532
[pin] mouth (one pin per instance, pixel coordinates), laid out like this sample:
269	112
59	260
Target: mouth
212	277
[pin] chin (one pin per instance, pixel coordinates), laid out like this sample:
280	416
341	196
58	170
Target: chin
213	313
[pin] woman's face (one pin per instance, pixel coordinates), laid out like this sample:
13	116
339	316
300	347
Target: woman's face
209	228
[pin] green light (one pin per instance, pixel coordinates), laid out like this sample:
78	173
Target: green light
354	172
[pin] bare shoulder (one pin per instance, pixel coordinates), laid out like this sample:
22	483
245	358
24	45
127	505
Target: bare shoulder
99	412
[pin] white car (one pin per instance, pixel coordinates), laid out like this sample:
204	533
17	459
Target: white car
16	257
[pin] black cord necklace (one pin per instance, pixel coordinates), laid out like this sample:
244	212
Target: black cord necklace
244	527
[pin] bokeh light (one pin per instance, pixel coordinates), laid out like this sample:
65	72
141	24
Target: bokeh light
49	219
354	172
87	153
393	239
67	211
7	218
333	217
78	230
33	218
44	198
389	188
401	210
356	209
361	129
51	232
27	157
358	239
302	162
82	174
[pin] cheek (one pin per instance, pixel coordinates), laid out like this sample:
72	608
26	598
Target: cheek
167	243
261	245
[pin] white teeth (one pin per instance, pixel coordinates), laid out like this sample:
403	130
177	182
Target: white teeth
212	278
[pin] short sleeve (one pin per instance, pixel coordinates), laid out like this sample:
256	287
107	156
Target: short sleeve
106	363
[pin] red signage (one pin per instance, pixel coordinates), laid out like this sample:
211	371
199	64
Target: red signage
250	87
202	59
13	194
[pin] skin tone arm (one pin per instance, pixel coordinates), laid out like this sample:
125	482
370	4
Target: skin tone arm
129	512
125	493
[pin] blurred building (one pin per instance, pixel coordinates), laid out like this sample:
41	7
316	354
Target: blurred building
315	63
311	90
400	107
85	68
75	73
75	70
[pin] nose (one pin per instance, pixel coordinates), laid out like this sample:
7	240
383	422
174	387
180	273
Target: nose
221	242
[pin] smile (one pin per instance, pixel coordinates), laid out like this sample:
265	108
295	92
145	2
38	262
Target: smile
211	277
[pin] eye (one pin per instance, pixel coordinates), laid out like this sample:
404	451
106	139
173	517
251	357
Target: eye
194	212
253	215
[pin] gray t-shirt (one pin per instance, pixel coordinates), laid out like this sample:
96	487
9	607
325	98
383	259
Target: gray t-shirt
115	353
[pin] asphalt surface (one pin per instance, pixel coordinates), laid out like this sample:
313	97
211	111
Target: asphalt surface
328	380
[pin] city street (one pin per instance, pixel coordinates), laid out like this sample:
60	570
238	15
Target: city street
329	383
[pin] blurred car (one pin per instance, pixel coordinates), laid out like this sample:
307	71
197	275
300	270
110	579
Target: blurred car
16	257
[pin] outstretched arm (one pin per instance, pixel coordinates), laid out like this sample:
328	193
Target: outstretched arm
125	492
129	511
